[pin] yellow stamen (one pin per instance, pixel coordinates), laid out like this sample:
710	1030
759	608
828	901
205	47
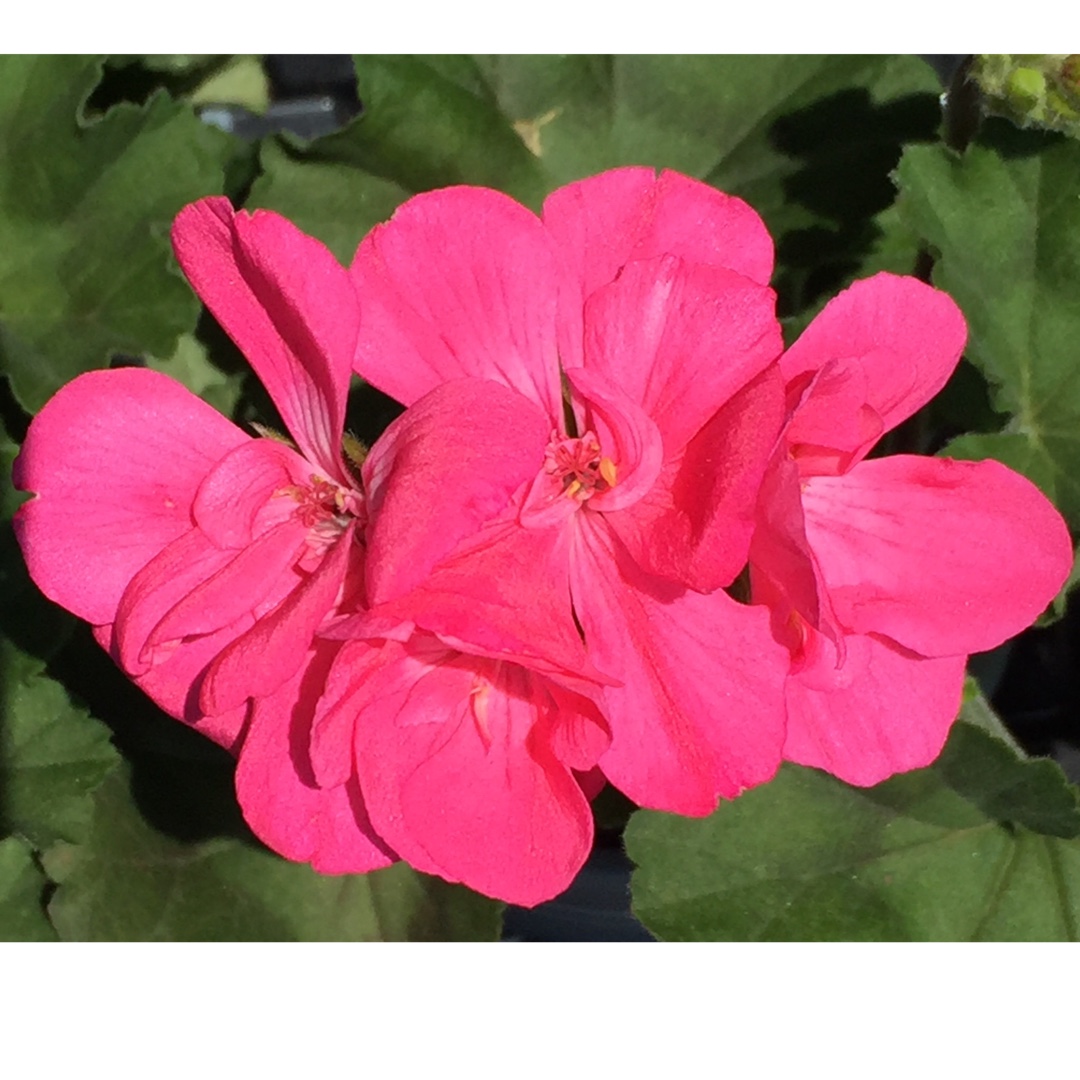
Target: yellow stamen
270	433
574	487
608	471
355	451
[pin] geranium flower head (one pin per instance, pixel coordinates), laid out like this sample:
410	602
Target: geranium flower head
210	558
884	574
649	296
440	650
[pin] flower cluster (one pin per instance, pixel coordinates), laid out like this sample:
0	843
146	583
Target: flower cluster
441	650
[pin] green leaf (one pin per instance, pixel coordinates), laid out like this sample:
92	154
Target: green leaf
191	365
37	625
808	140
1005	222
431	121
53	754
1060	603
709	116
85	209
10	499
22	886
977	711
129	882
981	845
336	202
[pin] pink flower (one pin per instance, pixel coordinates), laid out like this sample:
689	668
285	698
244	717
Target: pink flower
883	574
474	769
213	564
206	559
468	715
637	498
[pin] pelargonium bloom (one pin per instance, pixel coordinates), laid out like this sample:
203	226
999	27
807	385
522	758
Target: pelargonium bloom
883	574
649	295
206	559
212	563
474	743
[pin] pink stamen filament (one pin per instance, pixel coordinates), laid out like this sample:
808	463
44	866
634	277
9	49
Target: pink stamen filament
580	465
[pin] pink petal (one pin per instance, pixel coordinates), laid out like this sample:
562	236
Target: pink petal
945	557
327	827
390	675
605	221
440	471
679	339
115	458
831	425
256	572
289	306
504	594
174	683
784	570
269	653
884	711
579	735
234	495
158	587
331	749
466	779
700	713
695	524
903	337
626	434
462	281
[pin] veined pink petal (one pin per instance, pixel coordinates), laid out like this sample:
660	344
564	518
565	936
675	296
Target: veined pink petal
579	735
460	282
331	749
441	471
115	459
831	425
242	586
159	586
905	338
700	713
627	436
392	674
290	307
286	809
679	339
945	557
458	773
784	570
603	222
504	594
886	710
695	523
266	656
235	493
174	683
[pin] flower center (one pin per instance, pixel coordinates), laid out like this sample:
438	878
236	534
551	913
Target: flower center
579	466
325	509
